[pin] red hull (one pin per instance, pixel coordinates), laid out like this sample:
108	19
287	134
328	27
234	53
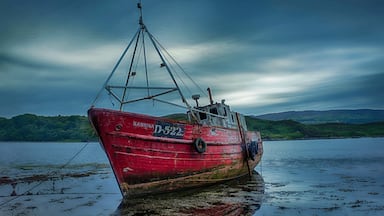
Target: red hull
150	154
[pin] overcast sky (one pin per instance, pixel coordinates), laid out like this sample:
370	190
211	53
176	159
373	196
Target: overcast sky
262	56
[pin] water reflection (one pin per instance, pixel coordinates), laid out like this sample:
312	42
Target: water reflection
241	196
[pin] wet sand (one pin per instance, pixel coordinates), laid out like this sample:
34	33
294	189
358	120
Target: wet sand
320	177
77	190
67	194
94	192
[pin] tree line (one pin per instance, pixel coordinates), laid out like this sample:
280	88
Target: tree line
30	127
289	129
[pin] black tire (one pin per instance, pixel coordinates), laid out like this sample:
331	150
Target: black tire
252	150
200	145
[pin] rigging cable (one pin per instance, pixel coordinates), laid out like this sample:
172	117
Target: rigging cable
168	69
114	69
132	72
145	65
130	69
178	75
181	68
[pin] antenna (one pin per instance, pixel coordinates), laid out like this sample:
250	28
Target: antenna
141	14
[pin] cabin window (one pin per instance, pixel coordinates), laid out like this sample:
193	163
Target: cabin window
202	116
214	111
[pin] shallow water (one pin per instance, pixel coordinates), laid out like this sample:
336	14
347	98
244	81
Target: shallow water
324	177
308	177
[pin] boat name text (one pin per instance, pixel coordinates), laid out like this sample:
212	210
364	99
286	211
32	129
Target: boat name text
167	129
143	125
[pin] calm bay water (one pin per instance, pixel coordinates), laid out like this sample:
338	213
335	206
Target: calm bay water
324	177
307	177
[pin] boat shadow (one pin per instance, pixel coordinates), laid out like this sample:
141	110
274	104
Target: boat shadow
242	196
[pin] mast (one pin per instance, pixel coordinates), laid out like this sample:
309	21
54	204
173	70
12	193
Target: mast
142	30
136	52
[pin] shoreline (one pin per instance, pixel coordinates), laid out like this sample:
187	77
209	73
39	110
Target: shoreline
264	139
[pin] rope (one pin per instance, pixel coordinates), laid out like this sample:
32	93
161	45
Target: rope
49	174
73	193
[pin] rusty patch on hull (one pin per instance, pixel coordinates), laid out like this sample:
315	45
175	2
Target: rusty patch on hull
190	181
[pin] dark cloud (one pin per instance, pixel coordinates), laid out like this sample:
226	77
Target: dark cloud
279	55
9	60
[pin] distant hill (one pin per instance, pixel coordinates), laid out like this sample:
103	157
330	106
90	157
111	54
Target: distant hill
29	127
290	130
360	116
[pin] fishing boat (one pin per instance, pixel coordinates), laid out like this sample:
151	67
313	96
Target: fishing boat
151	154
